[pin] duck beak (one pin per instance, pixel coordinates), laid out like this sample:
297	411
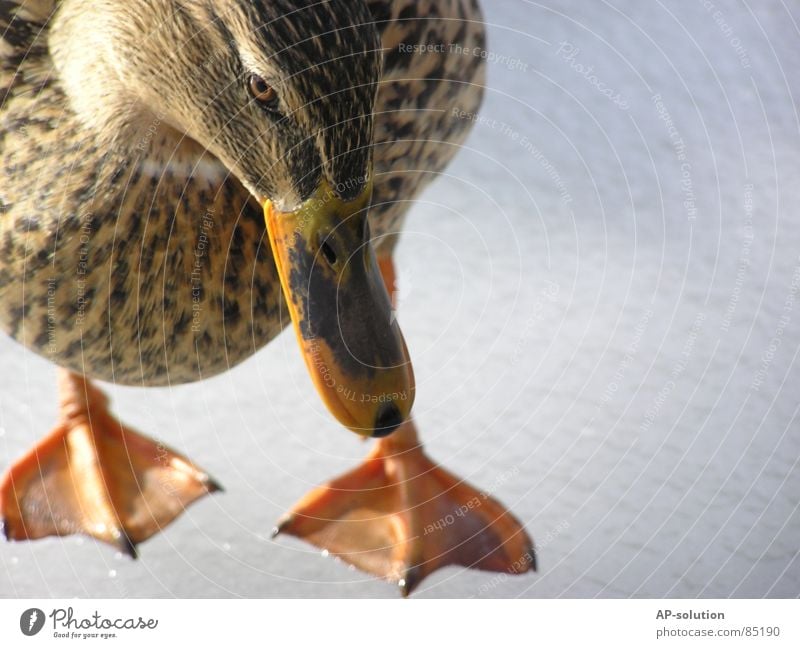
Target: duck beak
341	311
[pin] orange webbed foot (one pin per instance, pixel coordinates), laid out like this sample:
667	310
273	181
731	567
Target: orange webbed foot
95	476
400	517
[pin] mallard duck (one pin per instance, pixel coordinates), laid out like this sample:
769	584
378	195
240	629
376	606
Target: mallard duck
180	179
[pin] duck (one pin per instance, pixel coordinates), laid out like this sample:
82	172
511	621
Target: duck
183	180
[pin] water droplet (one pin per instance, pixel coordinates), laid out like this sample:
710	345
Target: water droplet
14	560
226	546
325	553
112	573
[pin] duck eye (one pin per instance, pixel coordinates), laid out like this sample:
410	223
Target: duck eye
261	90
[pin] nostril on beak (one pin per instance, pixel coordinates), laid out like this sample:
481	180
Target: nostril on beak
387	420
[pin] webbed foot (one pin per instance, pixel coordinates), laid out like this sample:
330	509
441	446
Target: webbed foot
95	476
400	517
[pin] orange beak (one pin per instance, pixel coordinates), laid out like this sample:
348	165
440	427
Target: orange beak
341	311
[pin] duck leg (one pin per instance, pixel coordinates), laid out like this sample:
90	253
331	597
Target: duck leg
400	516
93	475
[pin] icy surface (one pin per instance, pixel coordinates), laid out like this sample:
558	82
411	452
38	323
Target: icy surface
590	301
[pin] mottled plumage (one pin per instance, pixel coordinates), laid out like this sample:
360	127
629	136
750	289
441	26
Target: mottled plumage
144	145
137	257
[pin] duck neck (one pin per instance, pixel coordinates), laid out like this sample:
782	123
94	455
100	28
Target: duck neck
97	56
88	40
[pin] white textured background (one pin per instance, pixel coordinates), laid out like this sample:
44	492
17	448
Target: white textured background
581	339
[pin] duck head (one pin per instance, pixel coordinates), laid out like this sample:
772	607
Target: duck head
282	93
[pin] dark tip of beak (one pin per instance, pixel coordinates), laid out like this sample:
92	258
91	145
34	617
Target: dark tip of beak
387	420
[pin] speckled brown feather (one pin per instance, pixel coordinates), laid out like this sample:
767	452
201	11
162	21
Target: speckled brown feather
154	268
